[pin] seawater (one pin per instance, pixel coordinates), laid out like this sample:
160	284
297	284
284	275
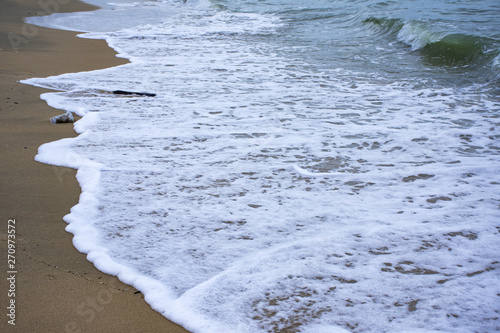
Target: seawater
318	166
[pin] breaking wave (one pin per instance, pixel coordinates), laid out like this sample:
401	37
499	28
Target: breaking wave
437	46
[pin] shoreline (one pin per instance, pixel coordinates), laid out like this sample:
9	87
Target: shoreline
56	288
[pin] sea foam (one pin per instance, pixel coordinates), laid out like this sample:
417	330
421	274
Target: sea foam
258	193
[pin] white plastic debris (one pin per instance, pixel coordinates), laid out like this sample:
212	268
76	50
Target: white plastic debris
63	118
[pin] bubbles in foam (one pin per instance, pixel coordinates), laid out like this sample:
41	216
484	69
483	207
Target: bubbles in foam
258	193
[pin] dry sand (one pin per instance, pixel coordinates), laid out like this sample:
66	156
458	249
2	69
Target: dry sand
56	288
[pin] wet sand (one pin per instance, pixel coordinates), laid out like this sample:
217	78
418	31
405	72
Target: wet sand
56	288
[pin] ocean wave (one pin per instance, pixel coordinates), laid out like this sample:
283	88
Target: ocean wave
260	190
439	47
496	67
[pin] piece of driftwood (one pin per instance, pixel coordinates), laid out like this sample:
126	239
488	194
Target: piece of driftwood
63	118
124	92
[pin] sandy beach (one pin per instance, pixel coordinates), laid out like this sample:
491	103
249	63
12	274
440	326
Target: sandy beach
55	289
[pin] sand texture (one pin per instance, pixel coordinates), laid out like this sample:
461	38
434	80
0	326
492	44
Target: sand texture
56	288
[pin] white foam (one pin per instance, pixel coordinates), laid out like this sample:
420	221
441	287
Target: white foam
256	193
418	35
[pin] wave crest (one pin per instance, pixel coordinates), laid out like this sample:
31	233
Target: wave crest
441	47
